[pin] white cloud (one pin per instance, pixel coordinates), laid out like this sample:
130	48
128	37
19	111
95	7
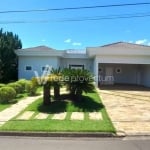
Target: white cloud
67	41
43	40
130	41
76	44
144	41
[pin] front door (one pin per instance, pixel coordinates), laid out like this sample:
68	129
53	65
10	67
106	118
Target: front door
109	78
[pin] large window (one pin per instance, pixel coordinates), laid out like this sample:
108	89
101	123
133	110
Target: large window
76	66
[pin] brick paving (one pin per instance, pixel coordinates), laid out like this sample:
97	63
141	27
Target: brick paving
128	109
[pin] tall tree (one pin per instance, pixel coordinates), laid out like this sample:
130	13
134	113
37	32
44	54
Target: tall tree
9	42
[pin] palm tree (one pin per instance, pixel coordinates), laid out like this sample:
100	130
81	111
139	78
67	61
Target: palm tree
79	81
56	83
46	94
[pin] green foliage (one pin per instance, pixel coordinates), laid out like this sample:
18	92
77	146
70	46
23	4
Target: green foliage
9	42
2	85
31	88
22	82
7	94
17	87
78	81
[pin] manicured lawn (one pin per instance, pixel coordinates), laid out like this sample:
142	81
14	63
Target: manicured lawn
91	102
19	97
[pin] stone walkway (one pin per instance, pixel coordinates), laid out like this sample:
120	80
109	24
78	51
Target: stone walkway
60	116
128	109
15	109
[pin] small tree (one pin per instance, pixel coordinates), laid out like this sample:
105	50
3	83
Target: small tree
78	81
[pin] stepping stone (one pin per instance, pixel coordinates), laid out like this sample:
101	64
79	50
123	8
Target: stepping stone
41	116
95	116
59	116
77	116
26	115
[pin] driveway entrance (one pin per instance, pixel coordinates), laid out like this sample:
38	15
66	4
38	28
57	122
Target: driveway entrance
128	108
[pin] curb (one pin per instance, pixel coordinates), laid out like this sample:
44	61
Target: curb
60	134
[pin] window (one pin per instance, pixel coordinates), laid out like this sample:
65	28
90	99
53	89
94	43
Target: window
28	68
100	70
43	68
76	66
118	70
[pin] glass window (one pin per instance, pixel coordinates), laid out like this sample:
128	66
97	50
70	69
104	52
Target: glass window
28	68
118	70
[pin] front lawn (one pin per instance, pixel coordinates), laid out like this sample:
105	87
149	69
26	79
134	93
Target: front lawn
18	97
90	103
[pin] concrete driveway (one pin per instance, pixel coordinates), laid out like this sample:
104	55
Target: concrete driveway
128	108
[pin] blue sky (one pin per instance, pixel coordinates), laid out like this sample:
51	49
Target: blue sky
76	35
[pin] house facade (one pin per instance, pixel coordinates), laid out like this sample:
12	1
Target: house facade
116	63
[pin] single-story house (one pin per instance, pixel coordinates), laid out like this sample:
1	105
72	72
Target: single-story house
116	63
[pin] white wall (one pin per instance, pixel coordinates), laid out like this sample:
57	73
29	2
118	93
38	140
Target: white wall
37	63
145	77
123	59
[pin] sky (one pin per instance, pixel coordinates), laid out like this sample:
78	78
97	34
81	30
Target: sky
62	35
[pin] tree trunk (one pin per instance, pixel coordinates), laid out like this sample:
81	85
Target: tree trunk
46	94
56	92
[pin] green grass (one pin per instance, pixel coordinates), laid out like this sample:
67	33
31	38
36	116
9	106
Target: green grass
91	102
18	97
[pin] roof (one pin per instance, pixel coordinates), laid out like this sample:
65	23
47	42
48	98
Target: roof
46	51
126	45
119	48
41	48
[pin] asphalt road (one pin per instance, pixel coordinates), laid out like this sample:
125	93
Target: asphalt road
45	143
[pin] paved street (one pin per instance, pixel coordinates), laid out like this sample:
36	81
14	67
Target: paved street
45	143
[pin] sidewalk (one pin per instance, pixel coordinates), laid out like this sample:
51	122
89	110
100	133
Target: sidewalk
15	109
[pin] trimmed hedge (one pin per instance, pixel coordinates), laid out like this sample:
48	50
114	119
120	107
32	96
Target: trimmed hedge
17	87
7	94
23	83
31	88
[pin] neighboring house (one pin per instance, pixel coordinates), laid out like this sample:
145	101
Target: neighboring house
120	63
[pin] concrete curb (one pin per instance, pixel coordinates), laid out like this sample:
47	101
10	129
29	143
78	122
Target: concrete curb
60	134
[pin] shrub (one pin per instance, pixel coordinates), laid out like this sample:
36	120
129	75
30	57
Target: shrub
31	88
17	87
7	94
23	83
2	85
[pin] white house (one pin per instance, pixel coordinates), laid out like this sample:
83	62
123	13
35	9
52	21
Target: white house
119	63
